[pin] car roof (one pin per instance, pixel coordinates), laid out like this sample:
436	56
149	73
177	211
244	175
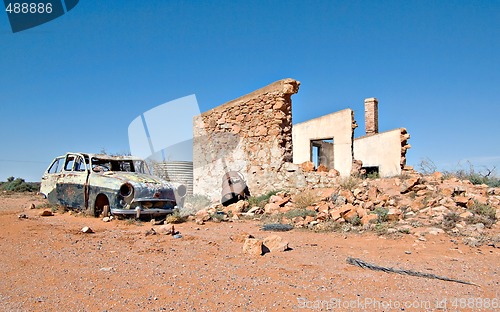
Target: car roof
104	156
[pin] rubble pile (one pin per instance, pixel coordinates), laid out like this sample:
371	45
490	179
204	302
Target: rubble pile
410	203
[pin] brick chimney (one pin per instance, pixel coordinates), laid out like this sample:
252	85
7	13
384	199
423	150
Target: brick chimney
371	116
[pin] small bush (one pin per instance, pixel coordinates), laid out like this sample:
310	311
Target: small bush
380	228
300	212
381	213
450	220
349	183
19	185
373	175
262	200
483	210
193	204
328	226
306	199
474	176
175	218
356	221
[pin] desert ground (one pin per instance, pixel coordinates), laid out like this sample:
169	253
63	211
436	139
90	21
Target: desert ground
48	264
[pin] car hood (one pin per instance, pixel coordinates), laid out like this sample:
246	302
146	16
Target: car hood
135	177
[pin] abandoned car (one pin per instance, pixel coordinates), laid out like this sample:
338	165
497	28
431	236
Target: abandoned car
102	184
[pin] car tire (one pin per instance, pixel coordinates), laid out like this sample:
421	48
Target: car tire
105	211
100	202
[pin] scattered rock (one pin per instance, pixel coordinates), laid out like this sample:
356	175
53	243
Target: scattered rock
87	230
106	219
150	232
252	246
157	222
32	206
201	216
241	237
409	184
271	208
46	213
322	168
22	216
106	269
307	166
237	207
275	243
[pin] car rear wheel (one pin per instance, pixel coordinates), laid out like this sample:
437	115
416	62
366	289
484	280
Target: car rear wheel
101	203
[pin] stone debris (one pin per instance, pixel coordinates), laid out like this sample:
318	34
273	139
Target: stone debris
157	222
275	243
22	216
150	232
241	237
253	247
32	206
46	213
87	230
408	204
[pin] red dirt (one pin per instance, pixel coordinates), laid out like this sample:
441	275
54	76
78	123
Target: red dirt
49	265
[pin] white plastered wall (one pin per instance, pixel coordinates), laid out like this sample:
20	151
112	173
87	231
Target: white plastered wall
338	126
381	150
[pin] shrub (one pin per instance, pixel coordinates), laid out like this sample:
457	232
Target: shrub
450	220
306	199
262	200
381	213
19	185
300	212
349	183
482	213
194	203
484	210
175	217
356	221
474	176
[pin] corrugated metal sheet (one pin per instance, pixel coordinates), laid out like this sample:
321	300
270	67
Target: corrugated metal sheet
177	171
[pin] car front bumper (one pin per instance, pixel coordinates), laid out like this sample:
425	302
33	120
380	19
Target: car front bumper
139	211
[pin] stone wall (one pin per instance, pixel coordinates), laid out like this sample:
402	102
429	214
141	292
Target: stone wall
252	135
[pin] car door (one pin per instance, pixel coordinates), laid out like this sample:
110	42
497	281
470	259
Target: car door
72	187
49	180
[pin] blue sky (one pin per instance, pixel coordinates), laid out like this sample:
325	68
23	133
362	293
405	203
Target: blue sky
75	83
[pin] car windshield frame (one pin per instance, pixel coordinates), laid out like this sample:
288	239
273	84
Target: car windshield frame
103	164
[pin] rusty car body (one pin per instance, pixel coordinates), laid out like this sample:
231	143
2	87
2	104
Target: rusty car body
98	182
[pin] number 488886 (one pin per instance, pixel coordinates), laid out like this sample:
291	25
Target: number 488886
29	8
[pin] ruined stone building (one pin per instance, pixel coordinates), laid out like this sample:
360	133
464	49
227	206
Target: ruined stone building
254	135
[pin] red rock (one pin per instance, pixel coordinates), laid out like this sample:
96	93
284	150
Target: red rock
271	208
46	213
241	237
333	173
322	168
350	215
275	243
461	200
394	214
369	218
307	166
335	215
308	219
409	184
201	216
252	246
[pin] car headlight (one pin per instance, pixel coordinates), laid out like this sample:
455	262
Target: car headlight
181	190
126	190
